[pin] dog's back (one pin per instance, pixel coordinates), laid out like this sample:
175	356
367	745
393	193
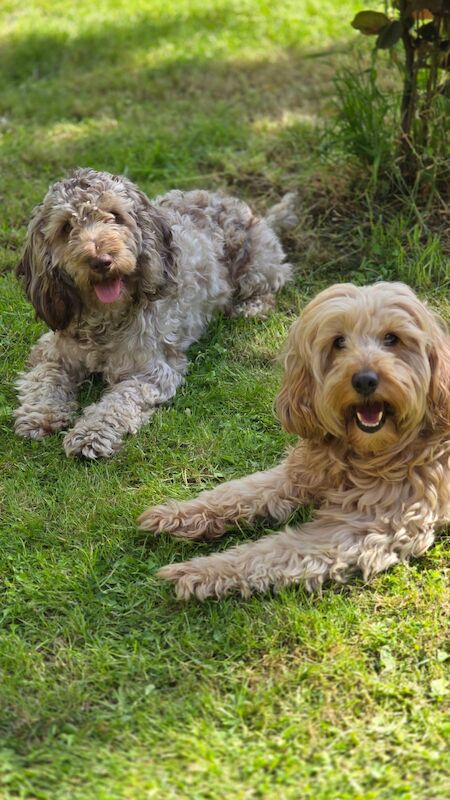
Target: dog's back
244	243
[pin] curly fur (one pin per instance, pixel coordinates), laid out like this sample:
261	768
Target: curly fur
127	285
375	465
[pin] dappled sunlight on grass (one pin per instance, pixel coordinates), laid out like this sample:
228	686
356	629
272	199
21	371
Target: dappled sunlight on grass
285	120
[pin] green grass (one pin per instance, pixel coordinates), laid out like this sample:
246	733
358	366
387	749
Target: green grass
111	690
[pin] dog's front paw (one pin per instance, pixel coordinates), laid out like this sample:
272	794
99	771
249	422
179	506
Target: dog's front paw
170	518
92	443
189	581
207	576
188	520
35	423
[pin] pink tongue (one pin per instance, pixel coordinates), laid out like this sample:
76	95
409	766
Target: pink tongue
109	291
370	414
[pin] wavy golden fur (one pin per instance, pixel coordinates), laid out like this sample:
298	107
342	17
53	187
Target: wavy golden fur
366	386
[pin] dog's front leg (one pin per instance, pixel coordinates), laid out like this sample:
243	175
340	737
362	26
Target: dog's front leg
47	395
307	554
331	547
265	494
123	409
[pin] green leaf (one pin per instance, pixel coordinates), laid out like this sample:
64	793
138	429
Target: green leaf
389	35
370	22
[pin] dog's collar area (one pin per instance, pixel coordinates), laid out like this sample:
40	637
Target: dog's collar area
370	417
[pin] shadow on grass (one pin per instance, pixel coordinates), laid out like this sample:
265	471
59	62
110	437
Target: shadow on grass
33	56
128	97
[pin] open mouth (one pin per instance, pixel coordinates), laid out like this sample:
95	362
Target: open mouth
370	417
108	291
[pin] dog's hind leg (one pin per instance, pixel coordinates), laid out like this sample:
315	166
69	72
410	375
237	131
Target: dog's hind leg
263	494
257	262
259	272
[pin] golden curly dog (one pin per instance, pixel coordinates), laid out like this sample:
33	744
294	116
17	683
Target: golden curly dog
366	386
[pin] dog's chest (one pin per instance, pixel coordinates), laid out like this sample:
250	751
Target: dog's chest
396	491
114	351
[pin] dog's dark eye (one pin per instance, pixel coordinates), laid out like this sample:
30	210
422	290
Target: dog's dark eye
390	339
339	343
118	218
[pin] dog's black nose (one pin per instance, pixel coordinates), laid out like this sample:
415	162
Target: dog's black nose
365	382
101	263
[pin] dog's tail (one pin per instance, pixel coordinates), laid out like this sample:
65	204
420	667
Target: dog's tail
283	214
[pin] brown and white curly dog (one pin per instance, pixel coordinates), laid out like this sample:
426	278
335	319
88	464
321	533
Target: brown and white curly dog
366	386
127	285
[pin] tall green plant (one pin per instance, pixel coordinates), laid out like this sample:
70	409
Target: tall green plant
423	28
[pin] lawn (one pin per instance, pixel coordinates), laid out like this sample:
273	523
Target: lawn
110	689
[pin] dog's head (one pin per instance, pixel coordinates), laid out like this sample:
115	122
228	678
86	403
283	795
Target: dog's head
94	242
368	365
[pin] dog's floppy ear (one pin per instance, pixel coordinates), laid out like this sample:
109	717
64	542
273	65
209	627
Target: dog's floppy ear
157	259
295	401
50	290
